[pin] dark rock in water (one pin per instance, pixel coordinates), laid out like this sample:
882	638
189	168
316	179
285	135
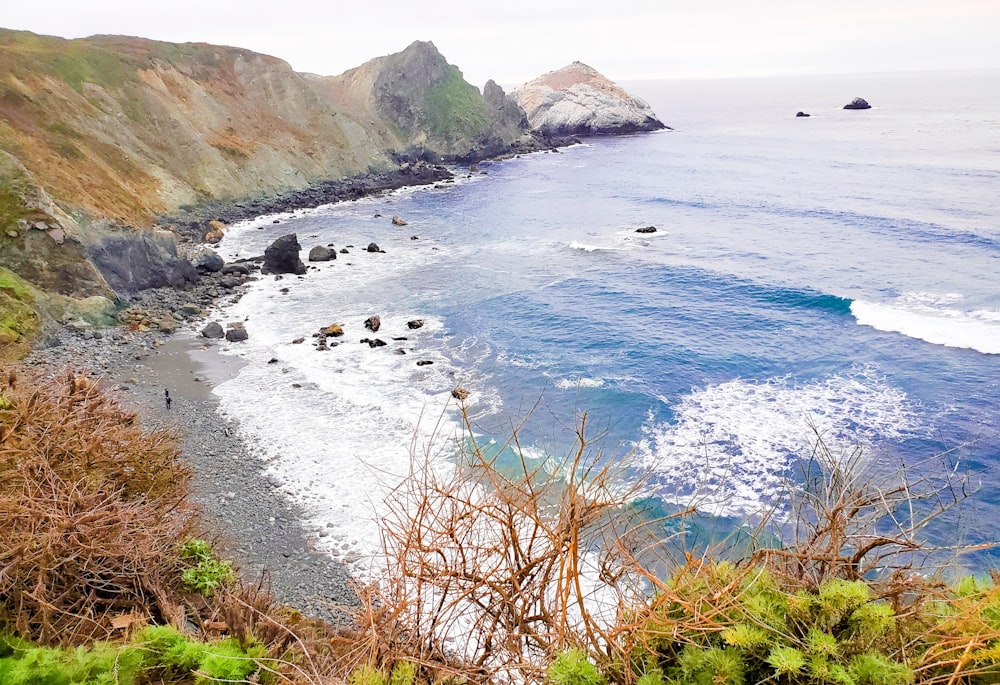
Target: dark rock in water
272	360
373	323
400	350
236	333
415	324
213	330
460	394
802	114
424	362
343	250
298	341
322	254
858	103
333	330
241	268
646	229
276	221
377	215
372	247
206	261
282	256
402	337
398	220
374	342
414	237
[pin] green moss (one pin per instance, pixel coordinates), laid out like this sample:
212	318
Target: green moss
80	63
455	109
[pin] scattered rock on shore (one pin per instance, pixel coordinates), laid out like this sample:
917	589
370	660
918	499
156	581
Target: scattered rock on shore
213	331
282	256
321	253
206	261
236	332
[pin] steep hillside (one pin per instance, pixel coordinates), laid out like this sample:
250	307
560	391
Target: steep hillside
126	129
422	107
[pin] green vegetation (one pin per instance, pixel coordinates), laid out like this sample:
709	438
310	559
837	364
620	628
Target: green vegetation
206	572
455	109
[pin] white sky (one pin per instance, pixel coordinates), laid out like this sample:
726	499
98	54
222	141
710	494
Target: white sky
513	41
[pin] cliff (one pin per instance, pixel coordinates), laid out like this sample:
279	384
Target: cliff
101	136
577	100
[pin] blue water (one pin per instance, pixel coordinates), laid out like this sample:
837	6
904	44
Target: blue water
836	273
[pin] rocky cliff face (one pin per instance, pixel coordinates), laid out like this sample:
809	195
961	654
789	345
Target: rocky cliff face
577	100
422	107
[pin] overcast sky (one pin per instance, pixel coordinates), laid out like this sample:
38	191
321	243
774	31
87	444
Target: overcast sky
513	41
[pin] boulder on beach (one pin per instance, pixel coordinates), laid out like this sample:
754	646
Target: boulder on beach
282	256
216	231
321	253
207	261
213	331
373	323
398	220
858	103
241	268
236	333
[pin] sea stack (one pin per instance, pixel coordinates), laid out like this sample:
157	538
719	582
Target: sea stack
858	103
577	100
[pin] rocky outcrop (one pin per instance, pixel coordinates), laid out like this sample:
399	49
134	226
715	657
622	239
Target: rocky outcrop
282	256
577	100
134	261
423	109
858	103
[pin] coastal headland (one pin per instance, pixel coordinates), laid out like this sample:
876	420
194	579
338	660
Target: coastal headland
120	158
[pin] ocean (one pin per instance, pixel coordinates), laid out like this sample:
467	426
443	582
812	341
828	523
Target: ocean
835	275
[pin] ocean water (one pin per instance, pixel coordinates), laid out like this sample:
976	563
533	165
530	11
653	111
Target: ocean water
837	274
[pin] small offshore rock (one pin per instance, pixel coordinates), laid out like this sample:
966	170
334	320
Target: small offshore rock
858	103
646	229
414	237
333	330
372	247
373	323
424	362
398	220
343	250
213	330
802	114
298	341
460	394
415	324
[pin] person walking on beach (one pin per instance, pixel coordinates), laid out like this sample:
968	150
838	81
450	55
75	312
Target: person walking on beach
166	397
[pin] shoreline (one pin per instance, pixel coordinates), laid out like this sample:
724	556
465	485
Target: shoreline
242	513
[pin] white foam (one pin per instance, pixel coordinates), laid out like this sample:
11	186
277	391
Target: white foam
346	435
732	445
573	383
936	319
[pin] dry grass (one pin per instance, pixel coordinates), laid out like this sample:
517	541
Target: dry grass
91	508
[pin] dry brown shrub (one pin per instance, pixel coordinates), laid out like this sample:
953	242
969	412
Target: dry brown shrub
91	508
